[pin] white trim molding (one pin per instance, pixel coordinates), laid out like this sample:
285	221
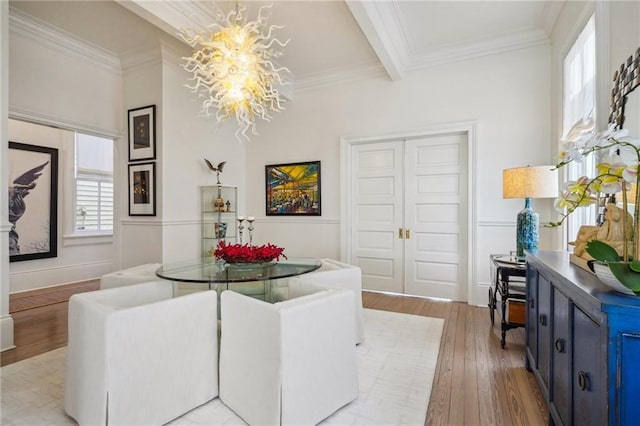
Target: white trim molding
496	224
6	330
38	117
48	35
464	51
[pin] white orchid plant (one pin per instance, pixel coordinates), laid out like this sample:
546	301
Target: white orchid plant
617	171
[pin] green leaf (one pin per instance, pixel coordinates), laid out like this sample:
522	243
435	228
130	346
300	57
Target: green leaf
635	265
602	251
625	275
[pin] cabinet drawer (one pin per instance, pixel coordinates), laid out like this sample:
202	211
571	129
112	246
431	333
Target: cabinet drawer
515	311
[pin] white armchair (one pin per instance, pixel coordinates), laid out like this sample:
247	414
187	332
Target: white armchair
128	276
292	362
333	274
136	355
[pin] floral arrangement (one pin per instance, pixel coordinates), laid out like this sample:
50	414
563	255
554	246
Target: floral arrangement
245	253
617	172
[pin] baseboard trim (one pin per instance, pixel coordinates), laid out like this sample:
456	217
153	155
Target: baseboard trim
6	328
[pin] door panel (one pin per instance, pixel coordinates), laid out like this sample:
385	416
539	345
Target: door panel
435	212
417	186
587	385
376	203
561	358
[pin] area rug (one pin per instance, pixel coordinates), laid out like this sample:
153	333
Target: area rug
396	365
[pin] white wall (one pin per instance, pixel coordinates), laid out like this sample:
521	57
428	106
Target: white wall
139	238
78	258
6	321
507	95
82	90
59	80
188	140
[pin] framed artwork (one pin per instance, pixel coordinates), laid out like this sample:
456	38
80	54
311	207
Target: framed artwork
33	202
142	189
293	189
142	133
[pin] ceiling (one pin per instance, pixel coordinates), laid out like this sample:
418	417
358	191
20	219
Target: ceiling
328	38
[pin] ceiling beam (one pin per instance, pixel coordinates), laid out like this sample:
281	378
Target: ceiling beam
374	25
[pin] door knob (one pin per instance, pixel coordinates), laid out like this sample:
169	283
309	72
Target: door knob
407	233
400	233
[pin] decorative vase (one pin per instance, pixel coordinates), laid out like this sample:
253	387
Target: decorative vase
527	230
604	274
220	229
250	265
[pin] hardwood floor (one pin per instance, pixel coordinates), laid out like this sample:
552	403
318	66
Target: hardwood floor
476	382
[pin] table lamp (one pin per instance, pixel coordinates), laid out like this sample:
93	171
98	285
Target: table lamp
529	182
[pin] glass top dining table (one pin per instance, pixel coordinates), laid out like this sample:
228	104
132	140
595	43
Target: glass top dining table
208	270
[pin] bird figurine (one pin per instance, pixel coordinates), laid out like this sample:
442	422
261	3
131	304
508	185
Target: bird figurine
217	169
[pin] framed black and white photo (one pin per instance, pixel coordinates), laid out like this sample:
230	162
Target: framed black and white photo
33	202
142	189
142	133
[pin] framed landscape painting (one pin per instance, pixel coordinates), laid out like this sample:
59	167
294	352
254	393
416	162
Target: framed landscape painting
293	189
142	133
33	202
142	189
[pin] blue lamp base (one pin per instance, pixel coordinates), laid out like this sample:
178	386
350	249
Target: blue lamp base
527	231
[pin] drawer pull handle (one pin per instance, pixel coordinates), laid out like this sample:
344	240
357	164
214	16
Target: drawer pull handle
532	303
559	345
543	320
583	380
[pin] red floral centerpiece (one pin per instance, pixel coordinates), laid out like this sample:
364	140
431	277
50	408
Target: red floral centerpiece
244	253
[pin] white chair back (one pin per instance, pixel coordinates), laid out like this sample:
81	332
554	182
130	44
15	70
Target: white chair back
138	356
292	362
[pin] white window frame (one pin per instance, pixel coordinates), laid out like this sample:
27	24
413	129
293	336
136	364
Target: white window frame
582	108
73	236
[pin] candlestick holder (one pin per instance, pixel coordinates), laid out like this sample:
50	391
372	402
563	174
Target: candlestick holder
240	227
250	228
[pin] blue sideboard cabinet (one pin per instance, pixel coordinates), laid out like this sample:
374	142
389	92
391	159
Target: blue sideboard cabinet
583	344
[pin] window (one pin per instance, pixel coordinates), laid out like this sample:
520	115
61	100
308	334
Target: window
93	184
578	108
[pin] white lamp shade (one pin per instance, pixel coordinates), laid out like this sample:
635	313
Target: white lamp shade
530	182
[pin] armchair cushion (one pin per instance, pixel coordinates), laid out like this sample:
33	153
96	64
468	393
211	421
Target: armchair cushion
333	274
133	275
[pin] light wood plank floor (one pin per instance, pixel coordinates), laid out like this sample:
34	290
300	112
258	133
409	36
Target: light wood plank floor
476	382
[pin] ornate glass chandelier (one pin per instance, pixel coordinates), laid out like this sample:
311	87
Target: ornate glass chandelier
233	68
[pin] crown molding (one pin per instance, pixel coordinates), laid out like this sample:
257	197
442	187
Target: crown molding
42	32
549	16
171	16
463	51
339	76
141	57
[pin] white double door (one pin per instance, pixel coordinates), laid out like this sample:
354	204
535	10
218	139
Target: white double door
408	227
